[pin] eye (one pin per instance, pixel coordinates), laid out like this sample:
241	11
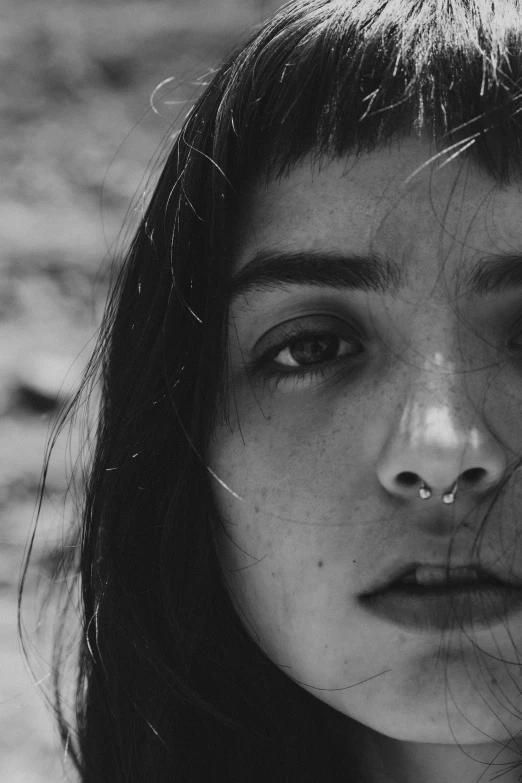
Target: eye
306	353
313	347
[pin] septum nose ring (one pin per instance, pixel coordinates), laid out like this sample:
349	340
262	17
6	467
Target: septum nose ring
425	493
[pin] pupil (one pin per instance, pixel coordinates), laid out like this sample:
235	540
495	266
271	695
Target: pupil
301	352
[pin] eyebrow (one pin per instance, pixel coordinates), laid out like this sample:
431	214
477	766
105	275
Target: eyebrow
494	274
272	270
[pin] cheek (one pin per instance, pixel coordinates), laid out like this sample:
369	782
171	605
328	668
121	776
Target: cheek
286	589
293	459
285	546
295	496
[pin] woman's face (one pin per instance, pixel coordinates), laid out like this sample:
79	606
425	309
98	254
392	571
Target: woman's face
422	376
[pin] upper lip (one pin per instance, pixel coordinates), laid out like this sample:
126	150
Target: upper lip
398	571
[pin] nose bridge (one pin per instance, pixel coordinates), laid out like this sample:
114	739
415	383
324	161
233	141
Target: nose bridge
437	413
435	388
439	435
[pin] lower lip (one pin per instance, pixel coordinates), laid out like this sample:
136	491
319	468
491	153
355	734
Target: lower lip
440	608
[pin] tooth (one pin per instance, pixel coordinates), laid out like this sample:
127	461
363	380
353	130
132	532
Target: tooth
426	575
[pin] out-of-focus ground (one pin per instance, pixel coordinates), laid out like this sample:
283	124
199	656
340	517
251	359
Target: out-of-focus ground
78	134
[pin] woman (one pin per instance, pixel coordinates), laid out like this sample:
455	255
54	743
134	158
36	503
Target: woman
299	554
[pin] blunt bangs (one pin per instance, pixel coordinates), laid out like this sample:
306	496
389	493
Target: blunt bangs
335	78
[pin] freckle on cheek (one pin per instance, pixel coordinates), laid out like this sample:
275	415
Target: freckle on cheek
320	564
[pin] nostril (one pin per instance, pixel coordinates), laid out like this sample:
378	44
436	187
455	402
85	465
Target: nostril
474	475
407	479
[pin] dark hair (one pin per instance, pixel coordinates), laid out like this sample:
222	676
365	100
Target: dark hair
169	685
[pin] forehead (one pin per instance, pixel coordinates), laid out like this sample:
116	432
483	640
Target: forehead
374	203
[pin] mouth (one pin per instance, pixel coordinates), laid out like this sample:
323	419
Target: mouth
420	609
430	597
422	577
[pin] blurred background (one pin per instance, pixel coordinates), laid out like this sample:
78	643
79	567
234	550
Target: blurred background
90	90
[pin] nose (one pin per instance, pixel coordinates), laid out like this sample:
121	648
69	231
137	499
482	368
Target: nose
432	453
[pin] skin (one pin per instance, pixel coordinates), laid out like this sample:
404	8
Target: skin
317	515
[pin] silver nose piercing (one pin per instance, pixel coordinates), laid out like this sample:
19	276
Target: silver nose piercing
425	492
449	497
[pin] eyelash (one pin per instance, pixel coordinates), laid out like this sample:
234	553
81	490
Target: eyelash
261	366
